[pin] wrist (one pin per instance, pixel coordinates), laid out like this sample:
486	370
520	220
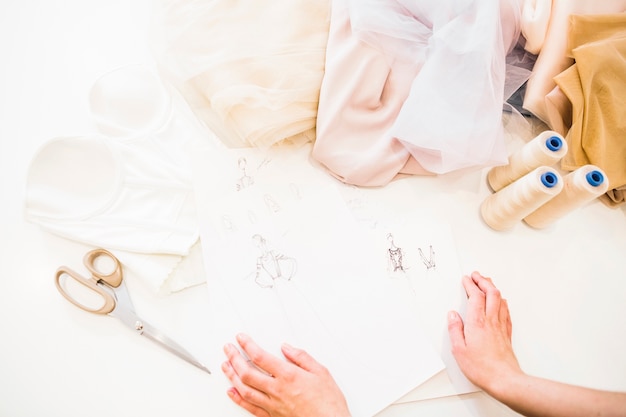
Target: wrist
502	387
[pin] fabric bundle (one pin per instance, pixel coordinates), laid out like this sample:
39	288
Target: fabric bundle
127	187
577	86
250	70
596	88
414	88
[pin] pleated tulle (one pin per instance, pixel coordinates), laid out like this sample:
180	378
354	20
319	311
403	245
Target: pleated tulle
250	70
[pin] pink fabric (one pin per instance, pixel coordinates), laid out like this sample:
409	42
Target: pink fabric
384	112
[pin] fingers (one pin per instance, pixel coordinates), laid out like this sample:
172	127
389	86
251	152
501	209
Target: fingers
249	396
476	298
302	359
456	332
260	357
493	297
234	395
505	317
240	371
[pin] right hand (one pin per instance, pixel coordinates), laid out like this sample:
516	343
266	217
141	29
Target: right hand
482	344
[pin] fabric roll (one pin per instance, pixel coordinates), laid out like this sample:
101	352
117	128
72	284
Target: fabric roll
250	70
398	72
553	57
535	20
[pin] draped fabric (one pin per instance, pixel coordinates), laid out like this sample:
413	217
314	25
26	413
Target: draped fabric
250	70
596	87
553	57
414	87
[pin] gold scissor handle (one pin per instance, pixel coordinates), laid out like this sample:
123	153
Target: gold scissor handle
113	279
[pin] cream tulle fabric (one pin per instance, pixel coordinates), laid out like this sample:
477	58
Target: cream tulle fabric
251	70
414	87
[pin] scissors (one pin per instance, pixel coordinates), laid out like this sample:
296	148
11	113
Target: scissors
117	303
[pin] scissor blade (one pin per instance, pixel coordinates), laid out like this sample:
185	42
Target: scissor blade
125	312
164	341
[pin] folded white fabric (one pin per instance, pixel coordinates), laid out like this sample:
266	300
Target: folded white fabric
129	191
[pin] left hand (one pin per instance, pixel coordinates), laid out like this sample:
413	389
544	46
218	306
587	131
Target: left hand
272	387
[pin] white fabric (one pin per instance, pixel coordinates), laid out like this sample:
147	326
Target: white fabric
130	192
535	21
118	195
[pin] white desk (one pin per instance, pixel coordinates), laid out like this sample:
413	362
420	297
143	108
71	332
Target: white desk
566	285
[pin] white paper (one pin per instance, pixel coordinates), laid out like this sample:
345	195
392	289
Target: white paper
332	297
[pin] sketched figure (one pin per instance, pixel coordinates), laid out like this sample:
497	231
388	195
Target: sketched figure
430	262
295	191
271	265
227	223
271	204
245	180
252	217
395	255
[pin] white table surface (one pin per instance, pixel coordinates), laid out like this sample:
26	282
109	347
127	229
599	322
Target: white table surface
566	285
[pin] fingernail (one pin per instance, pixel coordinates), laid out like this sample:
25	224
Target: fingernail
452	316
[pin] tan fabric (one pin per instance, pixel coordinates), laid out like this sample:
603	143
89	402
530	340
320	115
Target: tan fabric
596	87
614	198
559	109
554	58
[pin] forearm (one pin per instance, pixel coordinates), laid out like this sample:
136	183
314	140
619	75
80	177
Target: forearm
538	397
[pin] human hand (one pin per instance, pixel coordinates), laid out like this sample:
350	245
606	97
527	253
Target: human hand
267	386
482	345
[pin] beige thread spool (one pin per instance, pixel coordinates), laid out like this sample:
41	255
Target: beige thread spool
579	187
545	149
517	200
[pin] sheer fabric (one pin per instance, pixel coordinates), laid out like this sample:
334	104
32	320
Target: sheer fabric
250	70
414	87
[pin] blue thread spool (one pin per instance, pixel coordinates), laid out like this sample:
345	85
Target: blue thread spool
554	143
549	179
546	149
595	178
579	187
503	209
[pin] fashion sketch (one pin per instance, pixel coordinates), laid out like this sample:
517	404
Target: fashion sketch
429	262
271	265
395	256
245	180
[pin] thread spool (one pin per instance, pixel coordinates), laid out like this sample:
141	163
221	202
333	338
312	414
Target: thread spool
517	200
579	187
545	149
